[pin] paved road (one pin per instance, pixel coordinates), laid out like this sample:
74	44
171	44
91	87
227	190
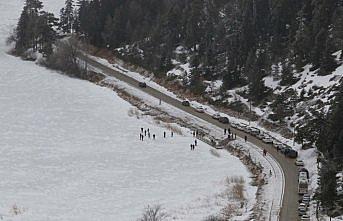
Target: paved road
290	199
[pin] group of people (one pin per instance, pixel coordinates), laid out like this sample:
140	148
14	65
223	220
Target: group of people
194	145
230	136
146	133
195	133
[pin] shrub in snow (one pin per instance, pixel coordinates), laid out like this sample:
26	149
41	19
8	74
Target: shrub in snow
154	213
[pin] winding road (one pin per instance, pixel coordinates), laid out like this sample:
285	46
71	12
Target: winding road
289	209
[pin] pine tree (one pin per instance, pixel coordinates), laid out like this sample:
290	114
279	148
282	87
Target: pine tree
67	19
287	76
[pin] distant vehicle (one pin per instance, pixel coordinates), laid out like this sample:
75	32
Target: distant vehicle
234	125
261	136
242	126
267	140
302	209
304	170
200	109
278	145
216	116
302	187
299	163
186	103
306	200
291	153
305	218
224	120
142	84
302	176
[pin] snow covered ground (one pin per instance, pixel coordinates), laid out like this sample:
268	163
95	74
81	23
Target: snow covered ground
70	151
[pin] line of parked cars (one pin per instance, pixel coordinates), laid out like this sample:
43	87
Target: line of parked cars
266	138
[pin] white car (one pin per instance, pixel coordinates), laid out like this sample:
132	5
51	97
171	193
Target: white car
233	125
200	109
299	163
216	116
267	140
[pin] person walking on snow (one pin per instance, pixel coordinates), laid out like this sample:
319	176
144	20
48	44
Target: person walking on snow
196	142
172	134
164	134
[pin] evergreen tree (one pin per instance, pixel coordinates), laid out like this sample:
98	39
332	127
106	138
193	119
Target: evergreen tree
287	77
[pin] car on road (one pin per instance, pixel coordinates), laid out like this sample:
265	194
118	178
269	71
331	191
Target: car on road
261	136
278	145
299	163
216	116
186	103
306	200
224	120
200	109
302	209
268	140
305	218
142	84
291	153
234	125
253	131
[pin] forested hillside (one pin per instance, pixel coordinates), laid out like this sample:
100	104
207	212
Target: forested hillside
234	40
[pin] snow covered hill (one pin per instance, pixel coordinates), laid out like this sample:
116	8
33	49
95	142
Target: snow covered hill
70	150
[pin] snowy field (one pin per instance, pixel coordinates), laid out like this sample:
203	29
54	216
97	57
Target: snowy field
70	150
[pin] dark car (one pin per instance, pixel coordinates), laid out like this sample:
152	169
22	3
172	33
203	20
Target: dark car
185	103
291	153
142	84
223	120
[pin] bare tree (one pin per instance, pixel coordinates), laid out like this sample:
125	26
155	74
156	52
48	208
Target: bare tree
154	213
65	57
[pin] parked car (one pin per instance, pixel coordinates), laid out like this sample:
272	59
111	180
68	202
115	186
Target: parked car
142	84
303	169
291	153
277	145
254	131
299	163
224	120
302	209
261	136
200	109
267	140
216	116
306	200
234	125
185	103
305	218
